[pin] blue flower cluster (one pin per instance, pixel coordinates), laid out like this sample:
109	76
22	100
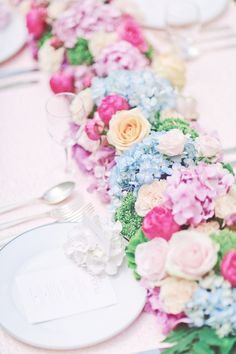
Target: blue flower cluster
143	163
214	304
142	89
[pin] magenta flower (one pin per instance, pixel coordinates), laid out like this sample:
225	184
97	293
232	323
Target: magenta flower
228	267
130	31
62	82
159	222
36	21
93	128
191	192
110	105
118	56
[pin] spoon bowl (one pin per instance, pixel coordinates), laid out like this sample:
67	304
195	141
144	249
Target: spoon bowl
59	193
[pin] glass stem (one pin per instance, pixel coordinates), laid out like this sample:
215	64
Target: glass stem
69	162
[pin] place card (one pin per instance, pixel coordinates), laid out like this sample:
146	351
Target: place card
63	291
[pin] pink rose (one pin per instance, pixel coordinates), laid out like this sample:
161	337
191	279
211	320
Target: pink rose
94	128
110	105
36	21
61	82
130	31
192	255
150	258
159	222
228	267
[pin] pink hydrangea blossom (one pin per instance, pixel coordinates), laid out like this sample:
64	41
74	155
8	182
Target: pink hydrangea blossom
36	21
83	77
94	127
110	105
191	192
118	56
159	222
84	18
130	31
166	321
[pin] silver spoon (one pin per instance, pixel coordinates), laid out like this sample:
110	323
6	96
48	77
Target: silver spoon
54	195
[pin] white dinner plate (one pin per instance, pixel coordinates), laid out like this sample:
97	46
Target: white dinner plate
154	10
13	37
35	250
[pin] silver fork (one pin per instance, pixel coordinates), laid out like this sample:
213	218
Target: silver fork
69	212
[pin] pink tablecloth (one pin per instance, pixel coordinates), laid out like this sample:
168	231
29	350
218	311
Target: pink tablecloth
30	161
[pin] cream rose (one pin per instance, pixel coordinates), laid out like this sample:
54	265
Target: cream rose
208	227
56	8
175	293
169	113
170	67
149	196
192	254
226	205
86	143
150	258
82	106
101	40
49	58
208	146
127	128
172	142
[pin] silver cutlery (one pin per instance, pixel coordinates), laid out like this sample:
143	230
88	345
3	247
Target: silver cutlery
18	84
15	72
54	195
70	212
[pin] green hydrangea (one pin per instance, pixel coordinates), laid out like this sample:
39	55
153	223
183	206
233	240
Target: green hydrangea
80	54
175	123
45	37
130	250
226	239
128	217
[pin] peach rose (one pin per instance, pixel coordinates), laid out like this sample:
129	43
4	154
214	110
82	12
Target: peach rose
172	143
208	146
192	254
226	205
101	40
208	227
150	196
127	128
150	258
170	67
175	293
82	106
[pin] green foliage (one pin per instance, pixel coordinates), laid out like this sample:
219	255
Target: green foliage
202	340
46	36
130	250
80	54
228	166
128	217
149	54
176	123
226	239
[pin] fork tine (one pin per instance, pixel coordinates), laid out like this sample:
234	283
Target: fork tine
78	214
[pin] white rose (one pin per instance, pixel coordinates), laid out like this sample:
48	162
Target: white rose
86	143
208	146
226	205
172	143
150	196
82	106
101	40
56	7
50	59
169	113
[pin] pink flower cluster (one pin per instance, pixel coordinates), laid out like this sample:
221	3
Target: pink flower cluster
118	56
84	18
110	105
191	192
130	31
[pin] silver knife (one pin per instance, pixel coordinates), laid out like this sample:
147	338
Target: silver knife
15	72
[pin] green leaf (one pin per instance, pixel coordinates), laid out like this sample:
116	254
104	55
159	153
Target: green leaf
228	166
45	37
149	54
80	54
130	250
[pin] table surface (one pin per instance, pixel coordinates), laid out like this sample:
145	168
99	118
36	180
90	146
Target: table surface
30	162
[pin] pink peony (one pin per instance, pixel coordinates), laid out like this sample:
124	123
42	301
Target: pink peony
62	82
110	105
36	21
228	267
94	128
119	56
159	222
130	31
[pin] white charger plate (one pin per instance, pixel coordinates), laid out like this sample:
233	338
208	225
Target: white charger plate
13	37
154	10
37	250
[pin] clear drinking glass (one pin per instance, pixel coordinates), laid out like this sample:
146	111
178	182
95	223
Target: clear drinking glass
59	119
183	24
